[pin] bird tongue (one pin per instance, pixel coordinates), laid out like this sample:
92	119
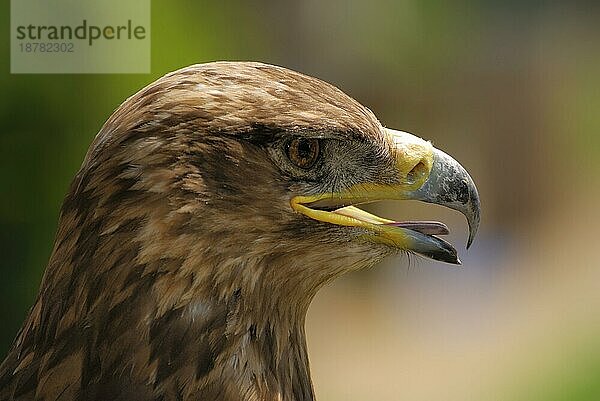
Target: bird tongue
424	227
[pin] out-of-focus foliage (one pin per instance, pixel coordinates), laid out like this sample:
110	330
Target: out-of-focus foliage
511	89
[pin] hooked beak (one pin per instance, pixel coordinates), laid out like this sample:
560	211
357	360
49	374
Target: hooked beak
450	185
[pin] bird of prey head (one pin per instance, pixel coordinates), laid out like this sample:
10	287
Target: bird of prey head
210	208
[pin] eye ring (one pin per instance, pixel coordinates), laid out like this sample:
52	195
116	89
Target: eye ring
303	152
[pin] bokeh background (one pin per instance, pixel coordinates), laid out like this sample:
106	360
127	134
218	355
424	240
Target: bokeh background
510	88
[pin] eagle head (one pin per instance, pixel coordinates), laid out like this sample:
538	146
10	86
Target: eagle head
210	208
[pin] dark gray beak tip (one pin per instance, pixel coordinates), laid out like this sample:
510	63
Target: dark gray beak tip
470	241
474	216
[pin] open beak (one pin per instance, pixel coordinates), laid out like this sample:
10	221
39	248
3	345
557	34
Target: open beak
424	173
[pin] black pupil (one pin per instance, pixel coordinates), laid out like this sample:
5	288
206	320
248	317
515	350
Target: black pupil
305	150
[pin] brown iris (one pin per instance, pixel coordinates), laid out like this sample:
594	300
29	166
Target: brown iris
303	152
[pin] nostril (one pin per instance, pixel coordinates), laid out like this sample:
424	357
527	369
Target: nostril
417	172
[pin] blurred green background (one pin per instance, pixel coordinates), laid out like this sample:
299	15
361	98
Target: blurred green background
511	89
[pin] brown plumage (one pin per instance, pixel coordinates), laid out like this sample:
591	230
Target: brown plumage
179	270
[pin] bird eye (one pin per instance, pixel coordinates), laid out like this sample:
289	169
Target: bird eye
303	152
